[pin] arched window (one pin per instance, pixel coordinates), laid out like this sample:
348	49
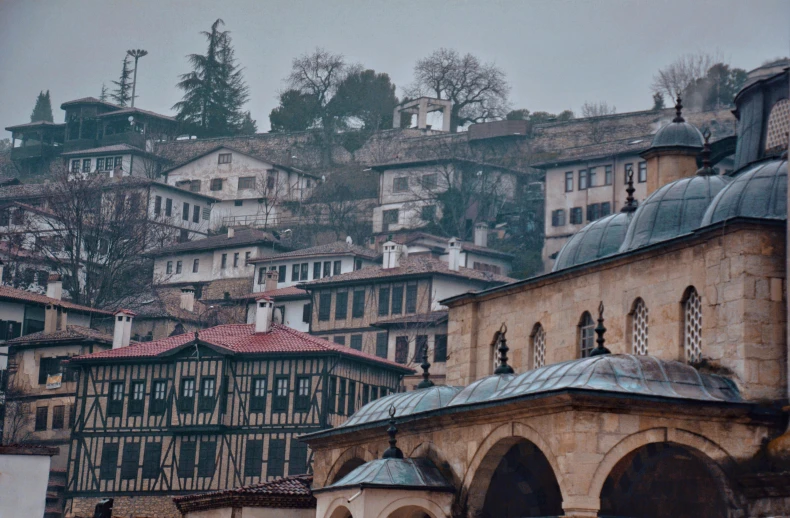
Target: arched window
639	327
778	126
538	346
586	335
692	326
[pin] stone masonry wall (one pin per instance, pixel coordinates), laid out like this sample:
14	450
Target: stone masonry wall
126	507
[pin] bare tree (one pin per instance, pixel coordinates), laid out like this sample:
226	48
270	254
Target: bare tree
16	427
673	79
343	203
597	109
478	90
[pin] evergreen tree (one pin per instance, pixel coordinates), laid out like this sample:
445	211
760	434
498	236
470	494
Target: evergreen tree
42	111
658	101
249	126
122	95
215	91
103	94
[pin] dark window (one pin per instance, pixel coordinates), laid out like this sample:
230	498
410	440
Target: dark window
207	460
168	207
224	158
224	261
72	415
356	342
75	166
411	298
327	268
151	458
179	266
294	272
582	179
608	176
208	391
159	397
339	339
586	335
247	257
118	161
430	181
253	458
332	396
364	389
206	213
358	309
384	301
397	300
324	306
558	218
247	182
381	345
186	401
281	274
421	347
271	179
297	464
303	271
357	264
195	265
130	461
136	398
593	211
115	402
42	415
576	216
591	181
389	217
185	211
236	260
258	395
109	461
628	167
262	275
307	312
374	393
317	270
86	165
157	205
440	348
606	208
341	305
341	400
400	184
280	399
275	465
642	178
352	397
569	181
196	214
194	186
302	398
216	184
186	460
47	366
401	349
336	266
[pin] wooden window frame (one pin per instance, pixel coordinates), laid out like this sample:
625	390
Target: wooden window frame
108	466
130	461
158	405
341	305
136	405
187	455
186	404
302	394
206	403
258	402
115	405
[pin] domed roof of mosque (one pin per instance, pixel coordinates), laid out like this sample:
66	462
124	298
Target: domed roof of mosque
482	389
598	239
405	403
678	133
759	190
393	473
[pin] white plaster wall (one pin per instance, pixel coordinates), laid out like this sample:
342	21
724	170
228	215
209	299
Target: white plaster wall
346	265
204	268
23	485
444	287
437	368
179	198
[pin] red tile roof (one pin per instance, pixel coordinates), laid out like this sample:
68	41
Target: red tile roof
336	248
13	294
289	492
288	291
241	339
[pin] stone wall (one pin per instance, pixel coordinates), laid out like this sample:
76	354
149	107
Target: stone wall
126	507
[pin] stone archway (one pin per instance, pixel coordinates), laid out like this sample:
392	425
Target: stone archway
349	460
412	507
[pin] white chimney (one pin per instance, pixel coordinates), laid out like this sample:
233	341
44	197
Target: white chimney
393	252
481	234
188	298
264	307
231	232
54	286
123	328
271	280
454	251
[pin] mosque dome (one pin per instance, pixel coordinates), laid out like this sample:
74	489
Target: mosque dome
405	403
678	133
482	389
758	191
600	238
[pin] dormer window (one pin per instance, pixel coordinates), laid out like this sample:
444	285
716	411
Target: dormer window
225	158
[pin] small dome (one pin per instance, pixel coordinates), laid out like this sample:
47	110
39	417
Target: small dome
405	403
600	238
482	389
678	133
673	210
758	191
418	473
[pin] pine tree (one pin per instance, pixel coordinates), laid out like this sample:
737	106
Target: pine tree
42	111
249	126
103	94
214	92
123	93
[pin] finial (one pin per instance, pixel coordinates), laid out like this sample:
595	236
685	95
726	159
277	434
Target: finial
706	169
196	335
678	110
600	330
393	452
426	381
630	202
503	367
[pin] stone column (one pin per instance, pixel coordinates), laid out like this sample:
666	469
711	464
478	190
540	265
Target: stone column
581	507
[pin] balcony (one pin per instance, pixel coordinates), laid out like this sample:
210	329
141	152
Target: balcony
35	151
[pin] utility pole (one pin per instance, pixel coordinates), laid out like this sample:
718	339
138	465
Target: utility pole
136	54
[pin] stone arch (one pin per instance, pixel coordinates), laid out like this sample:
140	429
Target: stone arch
413	503
429	450
338	508
637	327
691	334
537	347
348	460
486	460
585	337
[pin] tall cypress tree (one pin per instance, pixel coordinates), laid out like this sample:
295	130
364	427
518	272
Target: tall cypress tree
42	111
103	95
123	91
214	91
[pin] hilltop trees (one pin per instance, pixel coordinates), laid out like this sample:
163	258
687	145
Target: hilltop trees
122	94
42	111
703	80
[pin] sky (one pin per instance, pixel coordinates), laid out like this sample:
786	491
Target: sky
557	54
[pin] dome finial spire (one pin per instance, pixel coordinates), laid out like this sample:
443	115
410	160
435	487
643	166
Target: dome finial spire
502	349
393	452
426	376
600	329
678	110
706	168
630	202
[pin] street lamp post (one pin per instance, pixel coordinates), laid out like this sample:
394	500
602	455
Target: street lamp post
136	54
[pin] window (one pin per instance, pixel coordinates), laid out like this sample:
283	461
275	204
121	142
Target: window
558	218
582	179
341	305
118	161
235	259
271	180
639	327
276	462
238	203
100	164
538	346
186	460
586	335
341	399
108	163
336	266
109	461
364	389
168	207
303	271
327	268
606	208
397	300
207	462
247	257
401	349
421	347
411	298
642	177
86	165
692	326
332	395
294	272
381	345
224	261
151	459
47	367
302	399
195	265
430	181
358	306
206	214
195	214
591	181
185	211
324	306
58	417
208	388
576	216
224	158
75	166
247	182
400	184
281	274
339	339
253	458
440	348
374	393
428	213
72	415
384	301
280	399
157	205
179	266
389	217
317	270
569	181
352	397
593	211
115	403
357	264
194	186
307	312
42	415
297	464
137	398
216	184
186	403
130	461
159	397
258	395
608	175
356	342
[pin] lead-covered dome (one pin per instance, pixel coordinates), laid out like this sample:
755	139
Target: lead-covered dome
600	238
673	210
758	191
405	403
678	133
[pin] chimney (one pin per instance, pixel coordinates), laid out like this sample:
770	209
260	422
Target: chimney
188	298
264	307
123	328
231	232
2	271
454	251
481	234
271	280
393	252
51	318
54	286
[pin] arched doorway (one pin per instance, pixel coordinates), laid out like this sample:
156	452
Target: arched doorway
341	512
411	511
663	480
347	467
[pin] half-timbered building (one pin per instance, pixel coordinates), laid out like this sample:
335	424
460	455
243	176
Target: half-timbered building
213	410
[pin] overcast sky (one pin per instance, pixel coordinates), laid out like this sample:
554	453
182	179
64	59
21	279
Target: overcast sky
557	54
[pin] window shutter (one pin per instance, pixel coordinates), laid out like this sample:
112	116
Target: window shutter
253	458
411	298
440	348
109	461
341	305
186	460
324	304
381	345
384	301
276	461
151	460
359	304
356	342
307	311
352	397
297	465
130	461
207	461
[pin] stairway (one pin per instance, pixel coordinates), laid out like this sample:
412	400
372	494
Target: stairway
56	488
